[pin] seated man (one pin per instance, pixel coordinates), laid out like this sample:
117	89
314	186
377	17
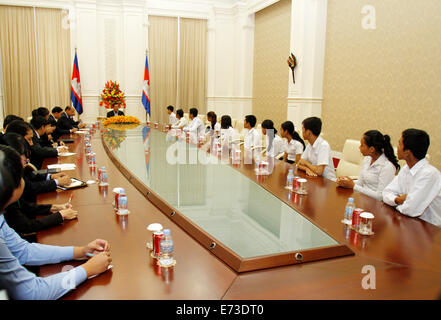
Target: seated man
66	123
316	160
252	138
56	113
115	111
196	127
182	122
416	190
8	120
172	117
16	252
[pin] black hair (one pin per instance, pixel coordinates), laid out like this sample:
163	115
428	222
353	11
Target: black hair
213	117
17	142
34	113
12	163
417	141
38	122
225	122
171	108
289	126
9	118
313	124
180	112
6	182
43	112
381	144
19	126
67	108
251	120
56	109
269	125
194	112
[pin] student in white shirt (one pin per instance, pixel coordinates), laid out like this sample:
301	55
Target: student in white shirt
379	165
227	132
275	144
316	160
214	128
416	190
196	127
172	117
182	121
294	145
252	138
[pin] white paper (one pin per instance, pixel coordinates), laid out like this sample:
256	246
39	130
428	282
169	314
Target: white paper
62	166
74	183
81	132
109	267
66	154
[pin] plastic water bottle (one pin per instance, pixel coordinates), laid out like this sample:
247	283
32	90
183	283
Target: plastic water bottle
349	209
289	179
166	249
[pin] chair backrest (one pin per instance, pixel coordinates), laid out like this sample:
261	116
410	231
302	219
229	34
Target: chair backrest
234	123
186	116
351	159
203	117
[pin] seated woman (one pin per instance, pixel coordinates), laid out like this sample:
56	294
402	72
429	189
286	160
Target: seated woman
275	144
16	252
379	165
214	128
115	111
294	146
227	132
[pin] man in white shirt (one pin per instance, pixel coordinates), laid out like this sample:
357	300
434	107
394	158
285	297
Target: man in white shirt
416	190
181	120
172	117
252	137
316	160
196	127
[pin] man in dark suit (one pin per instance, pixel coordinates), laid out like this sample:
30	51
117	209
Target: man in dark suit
38	152
56	113
115	111
66	123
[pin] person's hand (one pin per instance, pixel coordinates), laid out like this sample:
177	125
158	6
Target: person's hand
81	125
62	149
302	162
69	214
74	130
400	200
58	175
97	264
310	173
62	143
64	181
345	182
59	207
96	246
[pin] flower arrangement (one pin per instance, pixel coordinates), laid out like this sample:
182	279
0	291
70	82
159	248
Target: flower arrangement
121	120
112	94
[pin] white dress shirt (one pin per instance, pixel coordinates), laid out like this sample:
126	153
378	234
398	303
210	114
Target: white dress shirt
292	149
195	127
278	146
320	154
252	139
172	118
373	178
180	123
422	184
228	135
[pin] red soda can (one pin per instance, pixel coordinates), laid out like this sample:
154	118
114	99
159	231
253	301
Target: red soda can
157	236
356	218
156	125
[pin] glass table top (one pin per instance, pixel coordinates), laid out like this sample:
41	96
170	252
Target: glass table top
226	204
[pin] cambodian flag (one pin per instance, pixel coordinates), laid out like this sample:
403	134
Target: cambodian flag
146	88
75	87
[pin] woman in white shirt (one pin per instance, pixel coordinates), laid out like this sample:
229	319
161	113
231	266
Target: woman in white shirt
214	128
275	144
294	146
379	165
227	133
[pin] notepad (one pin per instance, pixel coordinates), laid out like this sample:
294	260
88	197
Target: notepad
74	184
82	132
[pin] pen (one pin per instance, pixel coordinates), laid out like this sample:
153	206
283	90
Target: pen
90	254
70	199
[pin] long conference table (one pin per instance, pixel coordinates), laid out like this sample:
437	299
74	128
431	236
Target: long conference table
256	224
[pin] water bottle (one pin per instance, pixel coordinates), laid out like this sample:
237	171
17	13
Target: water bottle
166	249
289	179
349	209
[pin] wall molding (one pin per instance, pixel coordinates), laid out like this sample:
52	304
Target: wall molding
226	98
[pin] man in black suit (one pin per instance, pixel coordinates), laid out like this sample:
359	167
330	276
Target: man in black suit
38	152
56	113
115	111
66	123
